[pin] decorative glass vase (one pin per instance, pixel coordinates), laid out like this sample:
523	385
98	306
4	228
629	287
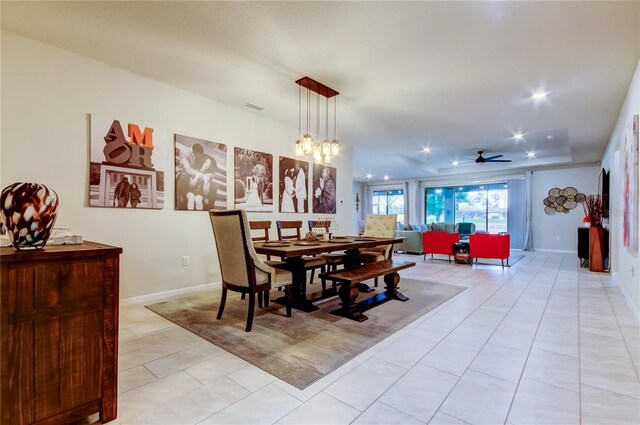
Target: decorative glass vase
28	212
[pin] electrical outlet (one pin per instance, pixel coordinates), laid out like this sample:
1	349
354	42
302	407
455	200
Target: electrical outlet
185	260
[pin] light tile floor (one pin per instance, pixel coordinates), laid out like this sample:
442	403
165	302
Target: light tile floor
541	342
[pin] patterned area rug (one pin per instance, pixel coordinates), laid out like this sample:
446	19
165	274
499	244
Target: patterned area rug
307	346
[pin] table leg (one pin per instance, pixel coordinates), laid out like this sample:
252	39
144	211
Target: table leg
352	260
299	286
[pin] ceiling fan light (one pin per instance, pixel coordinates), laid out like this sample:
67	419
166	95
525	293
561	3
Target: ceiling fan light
335	148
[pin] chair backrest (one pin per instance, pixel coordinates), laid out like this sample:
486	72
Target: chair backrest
260	225
236	255
381	226
323	224
466	228
283	225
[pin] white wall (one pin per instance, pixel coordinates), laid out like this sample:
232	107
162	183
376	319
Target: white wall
625	264
558	232
358	189
46	96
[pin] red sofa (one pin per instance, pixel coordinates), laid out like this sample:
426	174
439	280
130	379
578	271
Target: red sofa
484	245
435	242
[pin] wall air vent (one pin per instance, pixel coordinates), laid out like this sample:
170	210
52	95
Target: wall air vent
255	107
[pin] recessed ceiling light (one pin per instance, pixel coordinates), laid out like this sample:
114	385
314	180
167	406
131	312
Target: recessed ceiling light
455	163
426	149
386	177
531	154
539	95
518	136
550	137
369	176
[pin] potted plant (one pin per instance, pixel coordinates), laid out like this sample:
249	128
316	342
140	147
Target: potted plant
593	207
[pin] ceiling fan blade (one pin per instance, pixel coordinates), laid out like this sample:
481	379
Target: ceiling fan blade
491	158
498	160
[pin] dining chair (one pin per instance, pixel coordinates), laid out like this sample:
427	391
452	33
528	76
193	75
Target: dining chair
263	225
333	259
242	270
310	262
378	226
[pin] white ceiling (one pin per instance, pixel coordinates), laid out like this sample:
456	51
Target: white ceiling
454	76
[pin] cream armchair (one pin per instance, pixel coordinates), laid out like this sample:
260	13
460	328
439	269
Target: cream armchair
242	270
378	226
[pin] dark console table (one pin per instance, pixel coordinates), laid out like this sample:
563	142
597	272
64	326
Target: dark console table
583	247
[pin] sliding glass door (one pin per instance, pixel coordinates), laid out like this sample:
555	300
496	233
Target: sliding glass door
483	205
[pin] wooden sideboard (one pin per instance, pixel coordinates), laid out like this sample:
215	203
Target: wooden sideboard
583	247
58	333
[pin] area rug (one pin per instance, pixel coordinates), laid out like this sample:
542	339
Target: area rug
307	346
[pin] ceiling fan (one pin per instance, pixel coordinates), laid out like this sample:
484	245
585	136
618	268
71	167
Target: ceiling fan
481	159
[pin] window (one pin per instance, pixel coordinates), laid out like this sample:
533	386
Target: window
483	205
389	202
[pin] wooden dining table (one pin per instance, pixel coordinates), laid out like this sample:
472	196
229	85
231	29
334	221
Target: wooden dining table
292	251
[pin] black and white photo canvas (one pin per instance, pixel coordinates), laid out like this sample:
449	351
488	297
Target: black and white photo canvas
324	189
294	184
253	180
200	174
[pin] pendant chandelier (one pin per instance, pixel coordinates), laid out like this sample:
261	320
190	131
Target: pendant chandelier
321	152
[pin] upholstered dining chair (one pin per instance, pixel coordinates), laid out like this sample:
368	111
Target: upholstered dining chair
242	270
378	226
310	263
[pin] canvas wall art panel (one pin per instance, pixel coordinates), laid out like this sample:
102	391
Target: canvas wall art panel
324	189
294	184
253	173
631	181
200	174
122	172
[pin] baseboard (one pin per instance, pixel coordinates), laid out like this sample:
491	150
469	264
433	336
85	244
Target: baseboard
161	296
557	251
632	305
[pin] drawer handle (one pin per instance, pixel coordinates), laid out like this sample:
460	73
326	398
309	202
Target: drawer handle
64	269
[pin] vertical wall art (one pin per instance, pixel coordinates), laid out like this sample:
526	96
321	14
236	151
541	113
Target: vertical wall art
201	174
324	189
122	173
253	180
294	181
631	176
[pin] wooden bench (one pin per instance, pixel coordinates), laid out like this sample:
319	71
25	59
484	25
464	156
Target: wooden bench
348	280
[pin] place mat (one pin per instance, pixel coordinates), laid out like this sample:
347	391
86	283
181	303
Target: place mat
307	243
307	346
364	239
276	244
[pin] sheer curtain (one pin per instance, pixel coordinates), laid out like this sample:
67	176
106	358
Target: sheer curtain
519	213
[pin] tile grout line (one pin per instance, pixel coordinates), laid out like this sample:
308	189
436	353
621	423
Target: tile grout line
532	343
624	339
408	370
579	349
502	285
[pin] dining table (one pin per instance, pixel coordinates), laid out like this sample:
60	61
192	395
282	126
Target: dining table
292	252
